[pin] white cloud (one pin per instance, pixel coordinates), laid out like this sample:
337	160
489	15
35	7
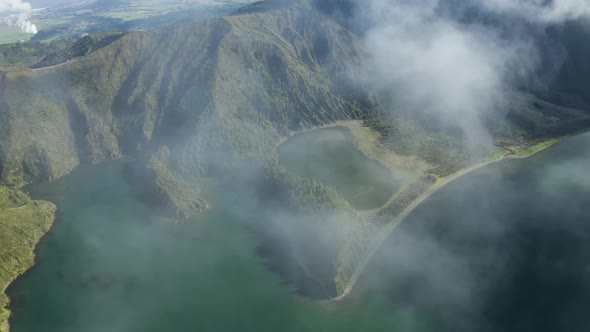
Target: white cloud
20	15
431	64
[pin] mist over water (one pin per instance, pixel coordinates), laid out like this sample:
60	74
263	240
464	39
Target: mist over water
109	264
505	249
501	250
329	155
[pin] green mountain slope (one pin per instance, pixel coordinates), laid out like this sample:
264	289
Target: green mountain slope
271	71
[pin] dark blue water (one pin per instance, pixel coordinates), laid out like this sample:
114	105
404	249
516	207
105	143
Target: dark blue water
505	249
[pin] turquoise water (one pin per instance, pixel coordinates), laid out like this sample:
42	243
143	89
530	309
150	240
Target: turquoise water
109	265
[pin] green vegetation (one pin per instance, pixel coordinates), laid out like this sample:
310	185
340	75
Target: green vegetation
537	147
77	20
82	47
299	193
173	191
445	153
24	55
11	34
358	231
499	153
22	223
404	199
35	54
338	237
528	121
161	188
531	120
170	88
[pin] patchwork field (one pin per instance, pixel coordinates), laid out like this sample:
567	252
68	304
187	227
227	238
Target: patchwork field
75	20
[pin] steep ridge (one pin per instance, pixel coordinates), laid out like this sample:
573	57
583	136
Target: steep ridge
149	88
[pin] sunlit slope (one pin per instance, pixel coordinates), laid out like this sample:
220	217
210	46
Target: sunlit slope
272	70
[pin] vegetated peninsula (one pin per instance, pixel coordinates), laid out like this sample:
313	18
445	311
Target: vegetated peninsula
22	223
213	99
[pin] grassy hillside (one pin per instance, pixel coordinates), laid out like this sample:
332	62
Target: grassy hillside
22	223
161	188
226	86
81	47
23	55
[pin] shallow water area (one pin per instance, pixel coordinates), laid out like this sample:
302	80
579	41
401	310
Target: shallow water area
329	155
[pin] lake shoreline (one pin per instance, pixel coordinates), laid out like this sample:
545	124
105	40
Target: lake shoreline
7	285
365	183
350	125
441	183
